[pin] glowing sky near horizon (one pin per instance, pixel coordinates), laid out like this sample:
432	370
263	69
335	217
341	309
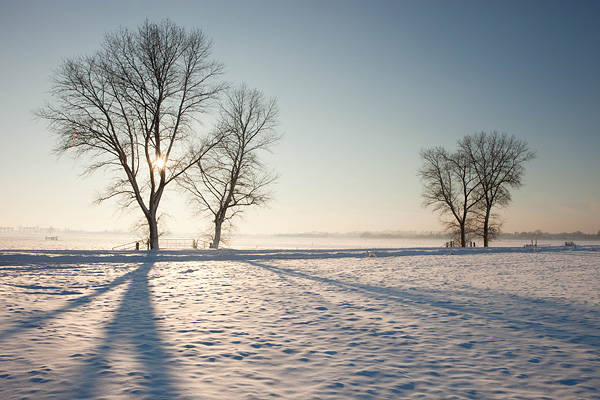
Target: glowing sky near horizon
362	86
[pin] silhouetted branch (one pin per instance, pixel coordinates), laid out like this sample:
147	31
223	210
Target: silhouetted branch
132	105
231	176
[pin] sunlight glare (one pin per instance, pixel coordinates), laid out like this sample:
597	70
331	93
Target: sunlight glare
159	163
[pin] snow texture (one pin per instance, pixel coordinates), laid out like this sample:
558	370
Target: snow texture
301	324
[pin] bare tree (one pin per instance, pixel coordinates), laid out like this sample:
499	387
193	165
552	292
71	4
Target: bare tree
232	176
478	221
498	162
130	107
450	187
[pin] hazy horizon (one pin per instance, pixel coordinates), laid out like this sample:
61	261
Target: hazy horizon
41	230
362	87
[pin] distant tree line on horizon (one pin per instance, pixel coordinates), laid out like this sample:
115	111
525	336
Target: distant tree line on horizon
538	234
465	186
404	234
367	234
37	230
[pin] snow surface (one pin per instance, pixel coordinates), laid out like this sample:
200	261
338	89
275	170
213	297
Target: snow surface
499	323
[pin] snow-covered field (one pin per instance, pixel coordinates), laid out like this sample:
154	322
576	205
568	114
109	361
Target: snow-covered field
431	323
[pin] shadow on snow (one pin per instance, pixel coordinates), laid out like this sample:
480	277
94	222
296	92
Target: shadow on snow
132	333
132	338
561	321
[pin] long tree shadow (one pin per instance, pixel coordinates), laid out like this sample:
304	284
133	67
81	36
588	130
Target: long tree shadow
561	321
36	321
133	342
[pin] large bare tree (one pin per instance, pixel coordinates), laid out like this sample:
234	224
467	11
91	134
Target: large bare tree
130	108
232	176
450	187
498	162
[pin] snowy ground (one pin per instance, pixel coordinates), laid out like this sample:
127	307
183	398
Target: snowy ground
501	323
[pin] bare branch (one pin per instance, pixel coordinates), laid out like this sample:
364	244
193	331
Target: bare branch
449	187
231	176
131	105
498	161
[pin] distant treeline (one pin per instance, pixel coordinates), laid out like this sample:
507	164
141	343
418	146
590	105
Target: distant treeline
538	234
578	235
370	235
404	235
36	230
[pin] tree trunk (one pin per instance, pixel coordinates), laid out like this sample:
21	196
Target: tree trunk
217	237
463	236
486	226
153	228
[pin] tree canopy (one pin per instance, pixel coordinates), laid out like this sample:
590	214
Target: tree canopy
466	185
232	177
132	107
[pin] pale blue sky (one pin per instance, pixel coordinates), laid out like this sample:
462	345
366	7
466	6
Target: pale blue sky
362	86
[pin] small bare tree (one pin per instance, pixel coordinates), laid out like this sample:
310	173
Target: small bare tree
232	176
498	163
450	187
130	108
